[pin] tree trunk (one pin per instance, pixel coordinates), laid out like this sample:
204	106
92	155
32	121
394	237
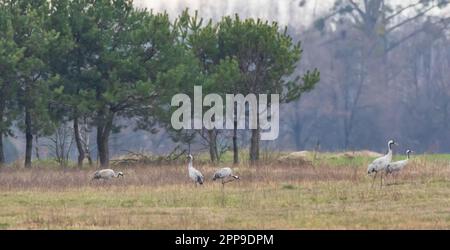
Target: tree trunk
212	137
102	145
2	154
103	132
254	146
89	160
85	142
346	137
80	148
235	145
36	147
29	138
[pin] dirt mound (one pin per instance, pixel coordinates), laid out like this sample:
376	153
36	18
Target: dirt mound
299	158
362	153
297	155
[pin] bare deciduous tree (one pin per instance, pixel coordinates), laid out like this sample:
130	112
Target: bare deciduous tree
61	144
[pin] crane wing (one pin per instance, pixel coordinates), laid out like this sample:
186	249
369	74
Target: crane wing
396	166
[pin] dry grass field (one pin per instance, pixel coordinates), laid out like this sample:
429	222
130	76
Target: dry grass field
330	192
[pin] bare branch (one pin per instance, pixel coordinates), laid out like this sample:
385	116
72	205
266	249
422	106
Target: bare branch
356	7
421	13
400	11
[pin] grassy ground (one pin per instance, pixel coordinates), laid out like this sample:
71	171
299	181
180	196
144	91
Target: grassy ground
330	193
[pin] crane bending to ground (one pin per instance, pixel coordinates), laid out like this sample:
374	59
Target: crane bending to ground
226	175
106	174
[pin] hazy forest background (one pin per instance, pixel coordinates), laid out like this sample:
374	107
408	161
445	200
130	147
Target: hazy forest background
384	74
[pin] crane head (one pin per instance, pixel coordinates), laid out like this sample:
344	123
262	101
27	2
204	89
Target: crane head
409	152
392	142
190	157
120	174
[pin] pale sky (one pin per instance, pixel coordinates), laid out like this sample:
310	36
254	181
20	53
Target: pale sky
283	11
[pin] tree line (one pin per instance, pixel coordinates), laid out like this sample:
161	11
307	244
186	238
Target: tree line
383	76
88	63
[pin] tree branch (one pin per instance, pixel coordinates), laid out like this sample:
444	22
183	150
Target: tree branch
402	10
410	19
356	7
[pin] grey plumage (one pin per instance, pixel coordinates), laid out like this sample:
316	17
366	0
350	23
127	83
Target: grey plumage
194	174
200	180
224	174
106	174
380	164
397	166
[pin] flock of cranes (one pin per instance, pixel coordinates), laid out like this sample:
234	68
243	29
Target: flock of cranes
385	165
225	174
380	165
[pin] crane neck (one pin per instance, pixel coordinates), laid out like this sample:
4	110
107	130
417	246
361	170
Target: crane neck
389	153
190	163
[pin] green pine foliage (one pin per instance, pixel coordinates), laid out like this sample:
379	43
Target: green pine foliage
66	60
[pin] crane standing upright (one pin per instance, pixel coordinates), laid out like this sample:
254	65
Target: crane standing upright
397	166
194	174
380	164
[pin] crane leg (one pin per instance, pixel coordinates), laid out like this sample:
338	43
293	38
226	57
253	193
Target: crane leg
373	180
229	180
381	180
389	179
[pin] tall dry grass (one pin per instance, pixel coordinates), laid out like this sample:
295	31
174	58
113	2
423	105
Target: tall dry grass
156	176
166	175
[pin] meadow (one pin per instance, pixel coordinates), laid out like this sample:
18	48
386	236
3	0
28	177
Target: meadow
325	191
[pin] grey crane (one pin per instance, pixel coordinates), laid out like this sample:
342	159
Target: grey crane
194	174
106	174
226	175
380	164
397	166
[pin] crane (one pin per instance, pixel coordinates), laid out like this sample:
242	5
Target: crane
380	164
194	174
397	166
106	174
224	174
